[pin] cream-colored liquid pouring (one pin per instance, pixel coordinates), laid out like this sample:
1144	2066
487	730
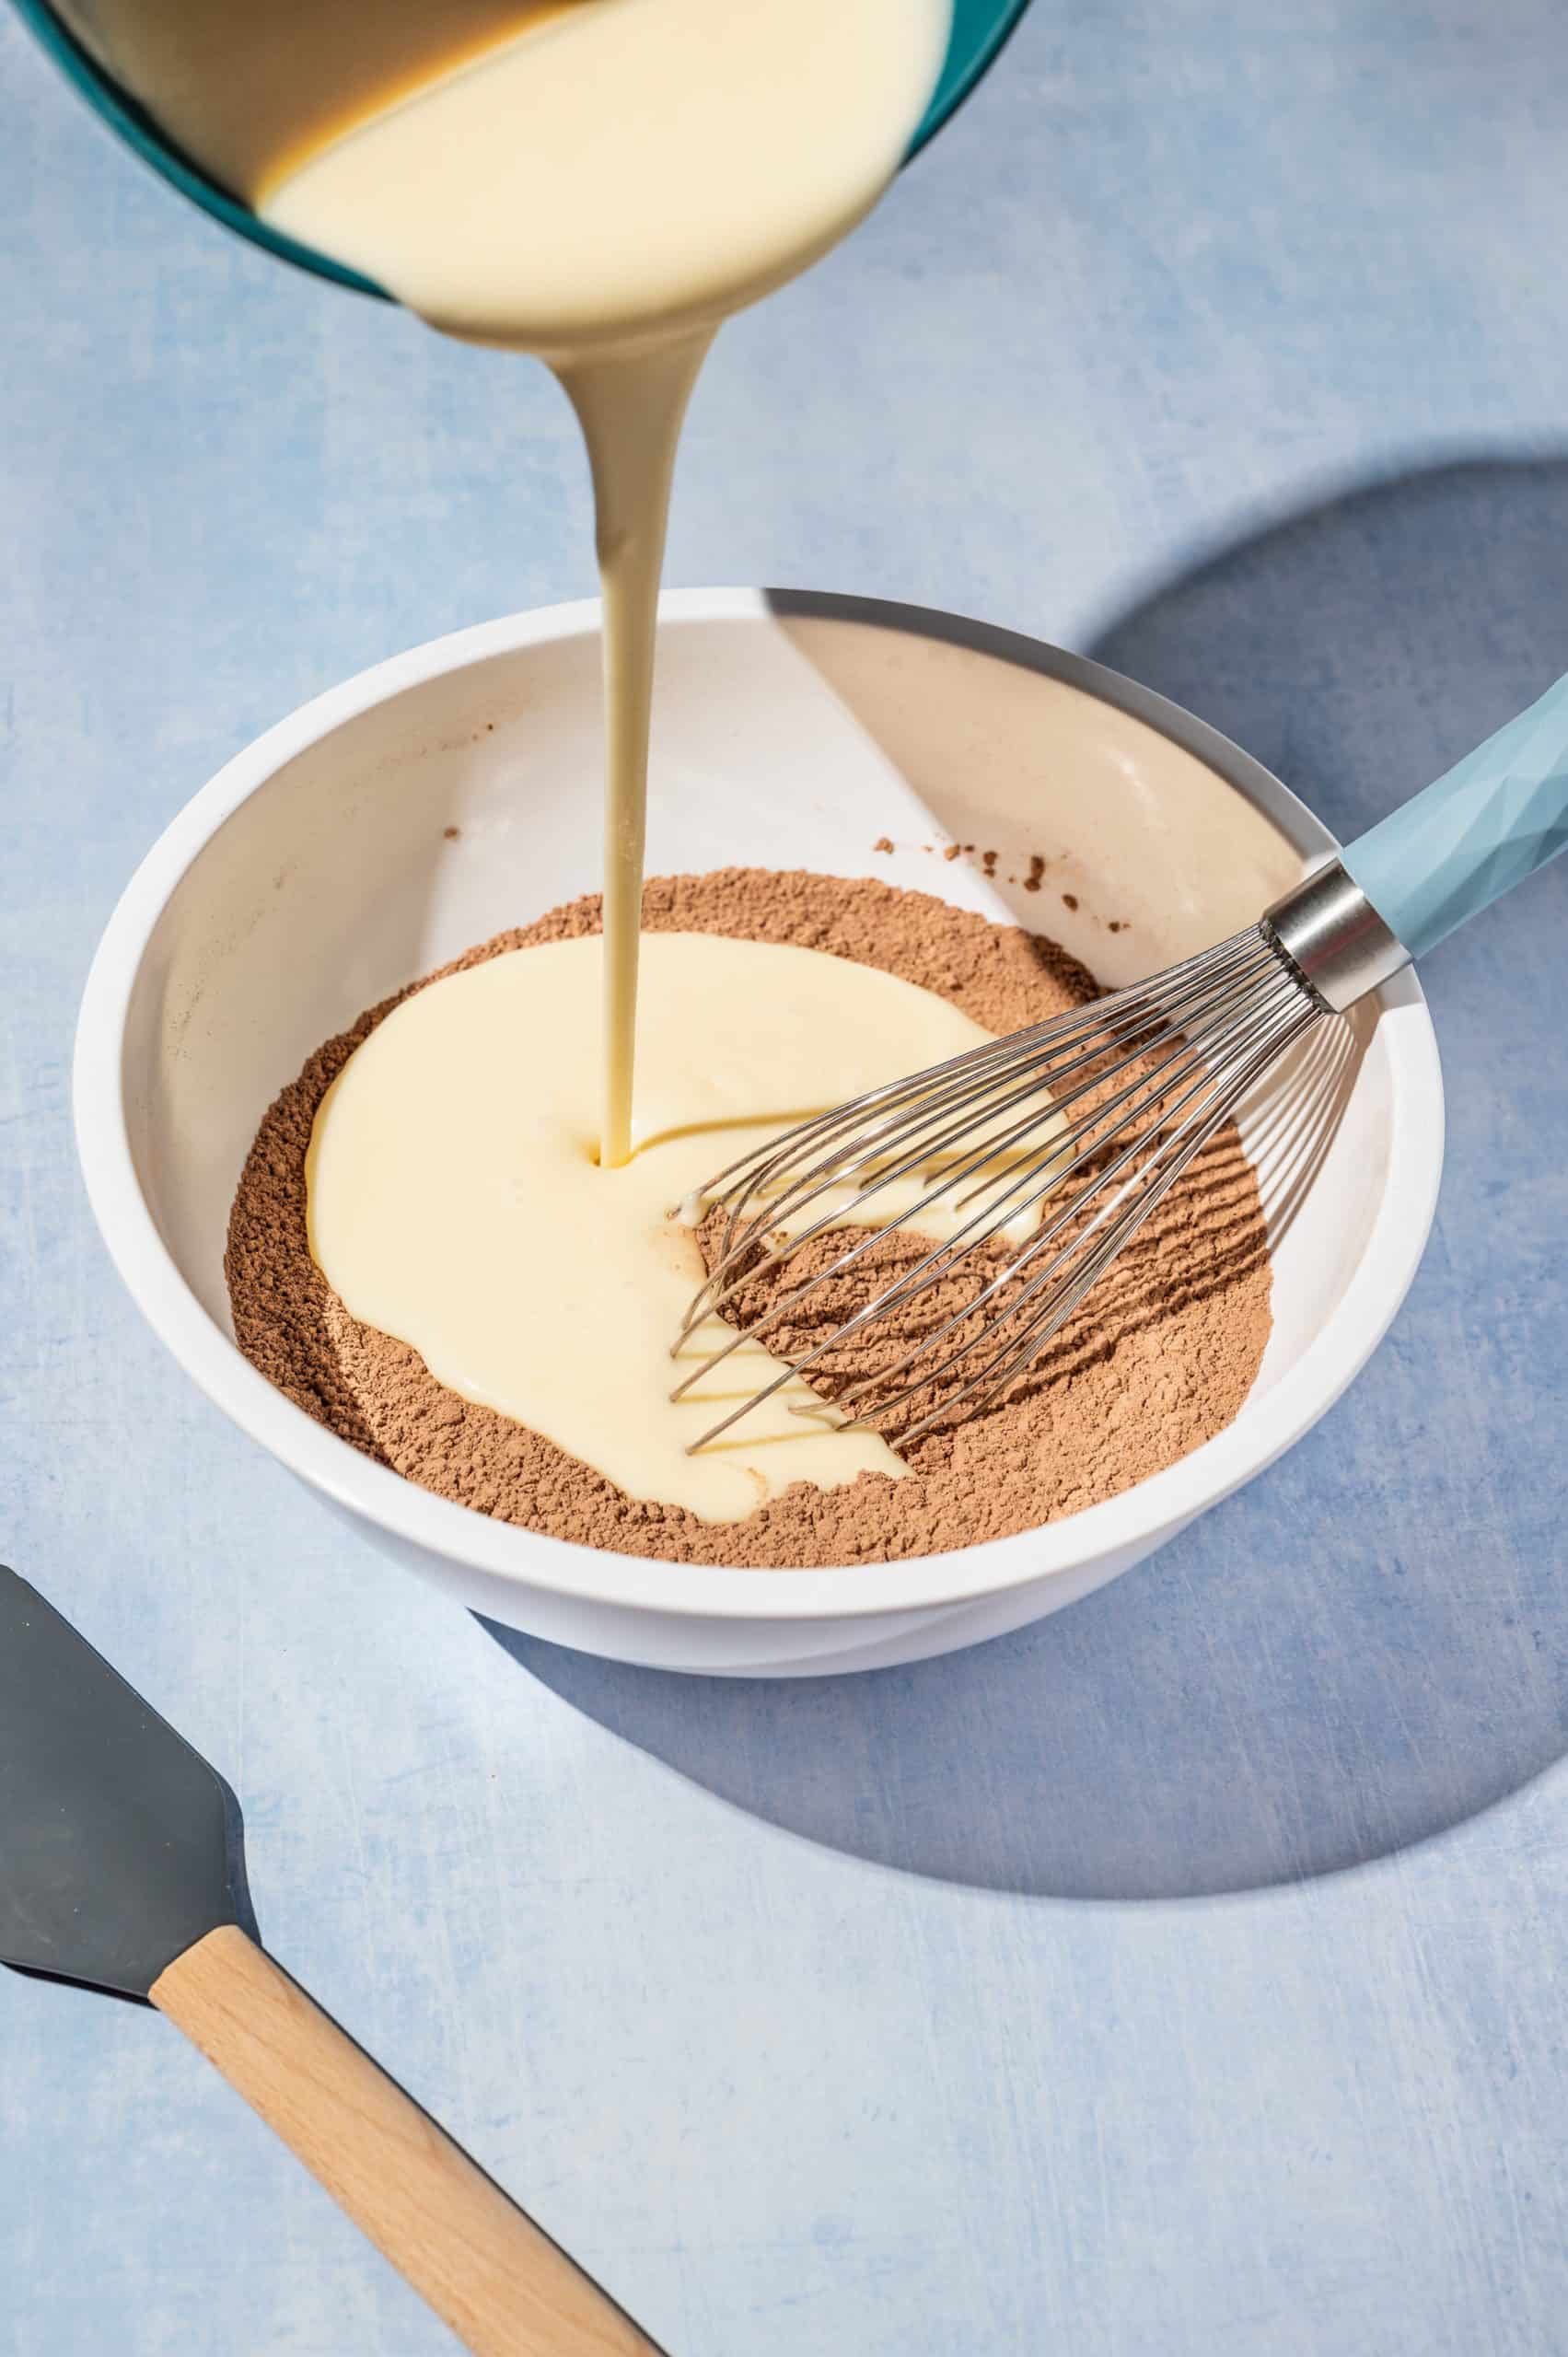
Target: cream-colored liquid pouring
598	181
668	161
601	182
456	1200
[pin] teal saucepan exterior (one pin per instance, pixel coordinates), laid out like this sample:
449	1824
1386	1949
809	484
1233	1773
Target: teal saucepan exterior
979	29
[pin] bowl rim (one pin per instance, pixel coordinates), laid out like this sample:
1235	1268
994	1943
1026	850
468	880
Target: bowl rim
1130	1523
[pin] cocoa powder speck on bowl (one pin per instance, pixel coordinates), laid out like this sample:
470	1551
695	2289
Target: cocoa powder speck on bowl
1156	1362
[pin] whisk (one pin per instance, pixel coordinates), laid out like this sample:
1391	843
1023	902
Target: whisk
1060	1139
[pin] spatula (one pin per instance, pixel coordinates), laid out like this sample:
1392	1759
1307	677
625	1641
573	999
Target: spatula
121	1867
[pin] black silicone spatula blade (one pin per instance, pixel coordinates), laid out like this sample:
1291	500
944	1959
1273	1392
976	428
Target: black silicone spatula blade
119	1846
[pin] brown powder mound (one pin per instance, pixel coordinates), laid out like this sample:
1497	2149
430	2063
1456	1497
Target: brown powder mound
1158	1361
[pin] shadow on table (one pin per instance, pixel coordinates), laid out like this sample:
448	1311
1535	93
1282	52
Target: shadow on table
1371	1644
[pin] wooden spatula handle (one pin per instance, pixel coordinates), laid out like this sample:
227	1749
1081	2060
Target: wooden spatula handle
505	2288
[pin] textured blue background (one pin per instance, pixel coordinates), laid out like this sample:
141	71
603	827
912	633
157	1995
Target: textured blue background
1008	2003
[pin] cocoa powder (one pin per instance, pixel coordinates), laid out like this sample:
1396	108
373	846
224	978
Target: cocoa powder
1157	1361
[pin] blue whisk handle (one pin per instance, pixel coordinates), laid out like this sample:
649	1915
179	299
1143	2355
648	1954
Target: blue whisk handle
1494	819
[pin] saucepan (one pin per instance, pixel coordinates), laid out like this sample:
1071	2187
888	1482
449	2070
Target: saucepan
981	29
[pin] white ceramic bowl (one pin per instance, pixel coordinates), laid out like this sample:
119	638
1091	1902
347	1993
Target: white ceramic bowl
313	875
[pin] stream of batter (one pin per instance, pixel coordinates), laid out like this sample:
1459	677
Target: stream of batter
600	183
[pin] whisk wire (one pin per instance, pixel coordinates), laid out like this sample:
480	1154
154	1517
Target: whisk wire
1133	1088
1125	1210
1055	1158
1118	1015
838	1167
1159	1140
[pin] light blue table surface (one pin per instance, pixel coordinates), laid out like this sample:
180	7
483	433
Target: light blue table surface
1185	1977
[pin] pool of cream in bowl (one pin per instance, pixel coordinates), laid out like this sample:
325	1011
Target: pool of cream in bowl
315	874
